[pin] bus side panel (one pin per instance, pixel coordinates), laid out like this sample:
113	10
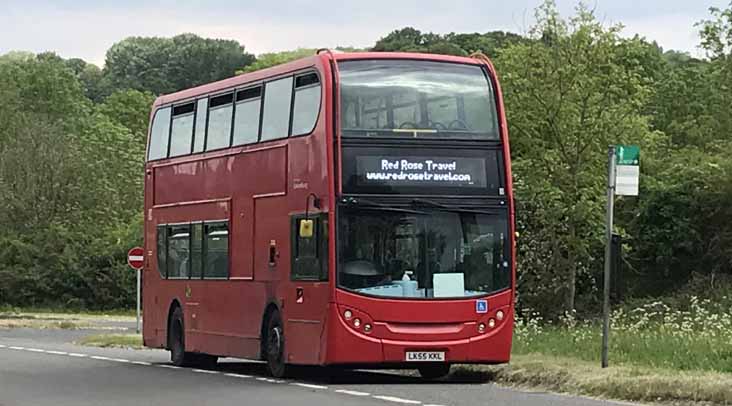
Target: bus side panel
153	319
178	182
150	276
231	316
306	298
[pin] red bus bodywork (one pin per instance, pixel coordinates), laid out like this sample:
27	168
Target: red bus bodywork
257	188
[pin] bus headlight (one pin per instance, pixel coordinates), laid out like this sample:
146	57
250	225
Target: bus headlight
481	327
347	314
357	322
367	327
499	315
491	323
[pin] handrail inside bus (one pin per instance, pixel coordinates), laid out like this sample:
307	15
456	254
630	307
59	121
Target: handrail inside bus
329	51
481	57
485	59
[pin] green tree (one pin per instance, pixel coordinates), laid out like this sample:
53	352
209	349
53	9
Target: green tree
269	59
90	77
165	65
716	36
489	43
681	225
66	176
409	39
569	93
131	109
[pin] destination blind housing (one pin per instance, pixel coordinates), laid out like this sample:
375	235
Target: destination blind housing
421	171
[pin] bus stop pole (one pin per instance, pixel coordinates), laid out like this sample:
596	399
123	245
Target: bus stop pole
608	253
138	300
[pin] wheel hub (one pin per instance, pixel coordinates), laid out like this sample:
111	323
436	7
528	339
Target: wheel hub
275	342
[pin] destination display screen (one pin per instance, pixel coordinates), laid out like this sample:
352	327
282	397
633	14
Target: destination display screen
422	171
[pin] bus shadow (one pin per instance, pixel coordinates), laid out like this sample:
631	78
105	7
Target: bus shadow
329	375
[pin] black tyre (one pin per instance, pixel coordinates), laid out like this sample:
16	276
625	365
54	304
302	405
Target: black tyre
176	341
434	371
275	346
205	361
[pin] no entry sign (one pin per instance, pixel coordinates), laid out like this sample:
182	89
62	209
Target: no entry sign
136	258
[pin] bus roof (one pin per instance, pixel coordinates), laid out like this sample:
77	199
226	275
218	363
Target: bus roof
299	64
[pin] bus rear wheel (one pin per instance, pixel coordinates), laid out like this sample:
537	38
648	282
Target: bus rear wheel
434	371
275	346
177	345
176	341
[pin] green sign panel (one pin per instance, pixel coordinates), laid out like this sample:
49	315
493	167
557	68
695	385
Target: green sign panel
627	154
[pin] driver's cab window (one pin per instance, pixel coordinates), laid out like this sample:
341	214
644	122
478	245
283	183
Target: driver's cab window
309	248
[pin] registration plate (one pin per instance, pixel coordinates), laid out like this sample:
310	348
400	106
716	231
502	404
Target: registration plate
425	356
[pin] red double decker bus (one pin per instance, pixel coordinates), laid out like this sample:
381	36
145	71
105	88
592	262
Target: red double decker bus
348	209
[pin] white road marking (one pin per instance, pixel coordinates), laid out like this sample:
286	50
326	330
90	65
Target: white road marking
57	352
397	400
238	375
269	380
352	392
309	386
204	371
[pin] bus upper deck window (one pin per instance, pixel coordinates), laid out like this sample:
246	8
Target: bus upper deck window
307	103
220	109
159	134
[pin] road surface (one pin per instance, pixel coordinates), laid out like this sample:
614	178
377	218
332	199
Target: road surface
44	367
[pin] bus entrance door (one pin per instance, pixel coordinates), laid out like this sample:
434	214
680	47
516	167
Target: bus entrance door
307	299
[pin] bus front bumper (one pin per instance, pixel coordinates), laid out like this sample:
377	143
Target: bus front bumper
346	346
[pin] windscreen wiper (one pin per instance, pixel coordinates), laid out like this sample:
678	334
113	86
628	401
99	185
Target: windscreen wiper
427	202
370	203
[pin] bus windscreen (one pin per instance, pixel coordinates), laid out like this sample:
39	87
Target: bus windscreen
422	252
410	98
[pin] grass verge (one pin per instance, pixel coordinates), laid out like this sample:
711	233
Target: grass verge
115	313
621	382
59	319
133	341
28	321
653	346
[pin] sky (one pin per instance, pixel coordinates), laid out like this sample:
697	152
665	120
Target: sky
87	28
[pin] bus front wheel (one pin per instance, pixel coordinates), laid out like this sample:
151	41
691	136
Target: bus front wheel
434	371
275	346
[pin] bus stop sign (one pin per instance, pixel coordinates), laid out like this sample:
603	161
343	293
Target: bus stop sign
136	258
627	170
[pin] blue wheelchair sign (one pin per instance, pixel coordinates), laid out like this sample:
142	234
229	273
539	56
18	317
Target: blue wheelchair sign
481	306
